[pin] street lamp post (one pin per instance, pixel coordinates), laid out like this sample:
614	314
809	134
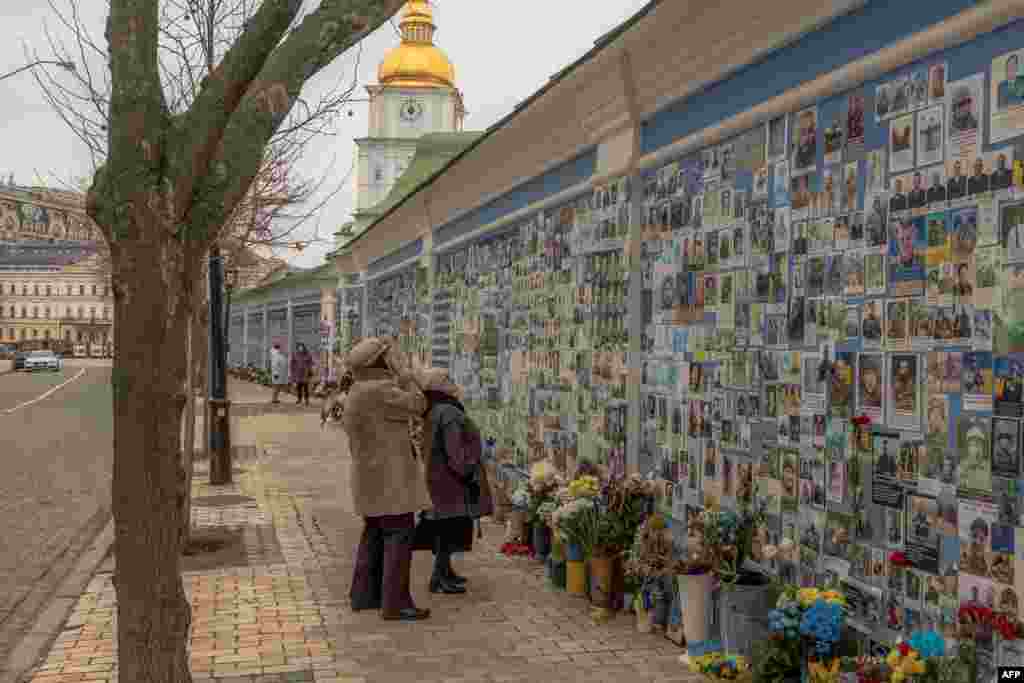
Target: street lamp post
219	415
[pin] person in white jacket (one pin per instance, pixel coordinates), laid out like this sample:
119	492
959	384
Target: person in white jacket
278	371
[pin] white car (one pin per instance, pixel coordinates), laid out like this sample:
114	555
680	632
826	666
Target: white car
43	360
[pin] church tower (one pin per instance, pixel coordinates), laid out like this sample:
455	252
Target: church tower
415	96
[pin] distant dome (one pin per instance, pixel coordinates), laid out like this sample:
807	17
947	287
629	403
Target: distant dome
417	61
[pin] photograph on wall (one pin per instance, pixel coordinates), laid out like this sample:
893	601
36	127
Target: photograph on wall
848	197
1007	97
964	113
841	386
885	486
1011	229
905	399
875	170
1009	386
937	75
780	182
930	138
778	141
962	228
762	177
854	133
870	394
975	521
897	324
805	141
973	440
922	538
907	247
938	251
833	139
1005	447
901	144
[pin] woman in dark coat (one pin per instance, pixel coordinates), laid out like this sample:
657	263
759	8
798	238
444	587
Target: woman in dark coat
458	488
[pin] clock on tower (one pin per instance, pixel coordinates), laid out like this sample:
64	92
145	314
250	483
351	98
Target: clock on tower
411	110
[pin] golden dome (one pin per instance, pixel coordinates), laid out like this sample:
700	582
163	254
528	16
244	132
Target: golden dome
417	61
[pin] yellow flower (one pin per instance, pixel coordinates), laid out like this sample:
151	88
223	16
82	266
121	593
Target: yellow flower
807	596
833	597
893	660
897	676
916	666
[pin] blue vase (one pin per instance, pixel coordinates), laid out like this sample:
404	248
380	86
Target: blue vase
574	552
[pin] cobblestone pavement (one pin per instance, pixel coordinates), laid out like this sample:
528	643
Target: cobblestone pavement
283	616
54	486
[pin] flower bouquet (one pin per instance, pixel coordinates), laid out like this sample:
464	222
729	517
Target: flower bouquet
649	561
720	666
621	508
806	624
542	488
923	659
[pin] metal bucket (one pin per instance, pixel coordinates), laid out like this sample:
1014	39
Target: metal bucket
744	616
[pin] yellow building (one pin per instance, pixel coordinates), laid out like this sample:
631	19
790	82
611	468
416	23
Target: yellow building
54	276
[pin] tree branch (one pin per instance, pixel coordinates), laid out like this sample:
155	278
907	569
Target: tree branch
323	35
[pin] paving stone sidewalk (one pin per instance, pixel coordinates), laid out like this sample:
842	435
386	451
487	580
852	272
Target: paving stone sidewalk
280	612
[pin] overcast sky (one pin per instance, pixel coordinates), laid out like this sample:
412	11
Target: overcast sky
503	52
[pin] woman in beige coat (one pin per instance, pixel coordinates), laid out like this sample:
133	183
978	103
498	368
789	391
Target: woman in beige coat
388	484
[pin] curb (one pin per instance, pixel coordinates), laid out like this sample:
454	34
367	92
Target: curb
34	645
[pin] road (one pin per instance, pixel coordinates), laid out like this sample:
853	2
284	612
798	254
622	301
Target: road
55	478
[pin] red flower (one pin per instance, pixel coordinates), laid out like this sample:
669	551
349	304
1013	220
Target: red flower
904	649
861	420
899	560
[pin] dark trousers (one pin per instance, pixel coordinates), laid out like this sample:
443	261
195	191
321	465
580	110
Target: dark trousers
302	390
381	576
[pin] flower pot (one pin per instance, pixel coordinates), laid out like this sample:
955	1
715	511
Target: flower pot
557	548
576	578
695	602
601	572
644	621
541	540
743	612
515	529
574	552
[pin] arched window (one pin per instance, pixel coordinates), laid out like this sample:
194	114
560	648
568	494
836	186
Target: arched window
81	290
49	290
35	333
12	288
46	334
35	290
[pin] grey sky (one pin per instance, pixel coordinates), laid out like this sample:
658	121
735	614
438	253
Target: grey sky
502	53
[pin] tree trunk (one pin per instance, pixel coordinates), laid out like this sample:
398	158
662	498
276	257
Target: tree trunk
188	445
153	614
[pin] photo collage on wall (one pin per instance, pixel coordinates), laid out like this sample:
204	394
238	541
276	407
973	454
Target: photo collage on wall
398	305
536	326
834	323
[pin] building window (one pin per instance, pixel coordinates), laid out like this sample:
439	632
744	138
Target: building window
106	313
10	333
67	312
35	290
92	312
46	334
49	290
35	311
24	312
79	336
12	312
81	311
12	288
67	335
21	333
69	290
24	290
94	290
106	290
35	333
81	290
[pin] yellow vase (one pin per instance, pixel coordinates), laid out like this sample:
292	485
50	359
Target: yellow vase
576	578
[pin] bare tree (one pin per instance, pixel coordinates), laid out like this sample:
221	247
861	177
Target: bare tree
193	36
171	175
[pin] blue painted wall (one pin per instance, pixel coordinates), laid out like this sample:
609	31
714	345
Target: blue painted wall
556	180
844	40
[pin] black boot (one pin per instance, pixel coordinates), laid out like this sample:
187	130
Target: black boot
450	574
439	581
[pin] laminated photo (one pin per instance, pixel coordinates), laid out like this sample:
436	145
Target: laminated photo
897	320
904	397
907	247
834	139
901	144
1009	385
870	385
1007	97
839	536
930	138
938	240
977	381
923	524
1011	229
841	387
876	233
974	447
964	113
875	281
778	142
1006	447
805	150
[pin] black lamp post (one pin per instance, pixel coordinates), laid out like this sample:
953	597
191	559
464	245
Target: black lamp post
220	407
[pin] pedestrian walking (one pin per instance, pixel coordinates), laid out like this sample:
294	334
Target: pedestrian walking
452	448
387	480
302	372
278	371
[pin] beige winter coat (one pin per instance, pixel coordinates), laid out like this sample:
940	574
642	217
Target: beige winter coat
386	478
